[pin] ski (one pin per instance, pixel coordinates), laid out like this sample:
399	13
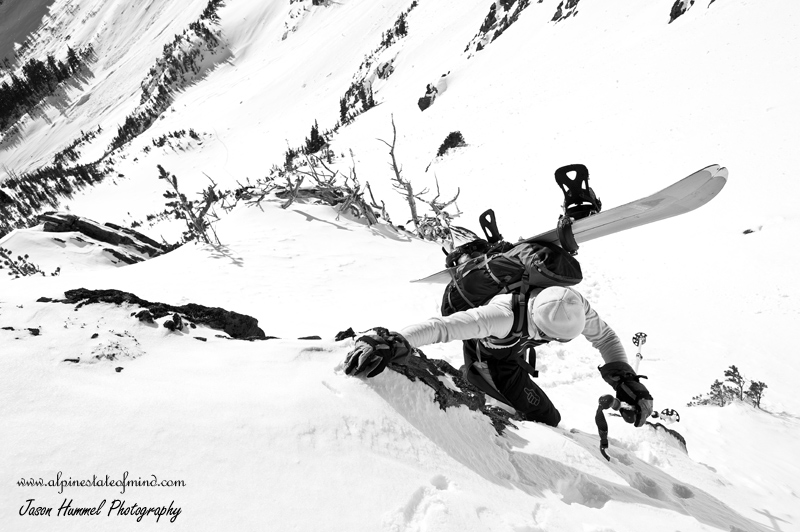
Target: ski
679	198
684	196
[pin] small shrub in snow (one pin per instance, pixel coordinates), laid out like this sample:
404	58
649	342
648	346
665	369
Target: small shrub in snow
20	267
453	140
198	215
721	394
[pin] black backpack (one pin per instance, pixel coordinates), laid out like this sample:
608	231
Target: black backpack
488	270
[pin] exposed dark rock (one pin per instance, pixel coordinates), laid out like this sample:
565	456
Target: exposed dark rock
34	331
137	235
679	8
429	370
566	9
501	16
145	316
118	369
310	338
175	324
124	257
200	338
95	335
424	102
59	222
7	328
239	326
343	335
73	360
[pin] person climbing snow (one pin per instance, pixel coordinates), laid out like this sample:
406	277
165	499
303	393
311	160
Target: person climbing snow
494	358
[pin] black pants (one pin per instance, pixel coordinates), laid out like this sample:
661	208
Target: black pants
515	385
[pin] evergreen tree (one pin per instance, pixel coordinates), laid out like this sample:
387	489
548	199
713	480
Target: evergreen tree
732	375
343	110
755	392
315	142
73	60
718	393
21	91
401	29
53	69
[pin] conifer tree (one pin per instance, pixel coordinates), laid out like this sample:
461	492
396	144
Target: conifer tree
755	392
732	375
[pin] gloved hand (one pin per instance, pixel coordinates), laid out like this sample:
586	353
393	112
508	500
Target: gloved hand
374	351
625	381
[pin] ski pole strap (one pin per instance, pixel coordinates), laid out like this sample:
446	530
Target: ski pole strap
602	426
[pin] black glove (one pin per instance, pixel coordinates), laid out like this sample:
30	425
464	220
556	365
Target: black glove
374	351
625	381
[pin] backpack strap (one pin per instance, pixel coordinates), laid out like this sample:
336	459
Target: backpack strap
519	354
519	303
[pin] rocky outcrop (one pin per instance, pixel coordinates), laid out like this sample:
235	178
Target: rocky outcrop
60	222
566	9
239	326
680	7
502	14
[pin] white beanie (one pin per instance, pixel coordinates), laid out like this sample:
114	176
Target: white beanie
558	312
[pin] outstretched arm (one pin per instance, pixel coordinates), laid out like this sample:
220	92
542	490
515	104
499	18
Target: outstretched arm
493	319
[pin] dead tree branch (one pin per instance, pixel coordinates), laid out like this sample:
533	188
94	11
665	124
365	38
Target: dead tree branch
402	185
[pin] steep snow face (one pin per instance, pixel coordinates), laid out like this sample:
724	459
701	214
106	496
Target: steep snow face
272	434
20	22
124	51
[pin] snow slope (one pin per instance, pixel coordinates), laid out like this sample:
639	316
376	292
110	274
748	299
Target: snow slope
271	434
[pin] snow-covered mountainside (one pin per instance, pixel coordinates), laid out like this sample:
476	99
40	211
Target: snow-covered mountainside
270	138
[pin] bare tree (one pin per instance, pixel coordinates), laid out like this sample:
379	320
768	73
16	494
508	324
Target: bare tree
326	187
194	215
401	184
437	227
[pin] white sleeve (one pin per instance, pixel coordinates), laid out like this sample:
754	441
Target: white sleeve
496	318
602	337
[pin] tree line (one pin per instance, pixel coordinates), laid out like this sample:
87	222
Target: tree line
37	79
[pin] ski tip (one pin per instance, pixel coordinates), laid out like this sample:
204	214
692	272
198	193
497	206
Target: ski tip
440	277
717	170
